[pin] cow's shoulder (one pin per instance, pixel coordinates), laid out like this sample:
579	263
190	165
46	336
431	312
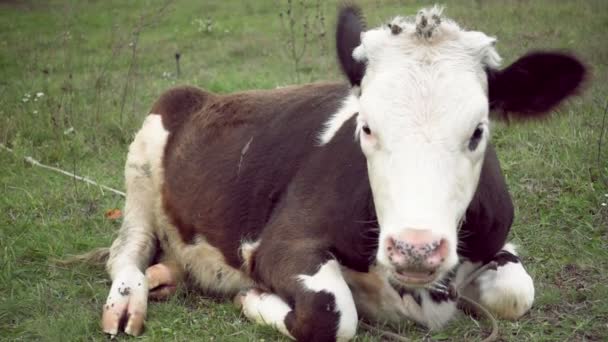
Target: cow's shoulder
489	215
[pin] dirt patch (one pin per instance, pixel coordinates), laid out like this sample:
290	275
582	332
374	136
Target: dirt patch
573	276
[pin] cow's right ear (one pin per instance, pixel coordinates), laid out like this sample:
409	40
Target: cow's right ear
534	84
348	36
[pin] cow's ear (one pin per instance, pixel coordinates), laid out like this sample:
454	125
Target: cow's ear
534	84
348	36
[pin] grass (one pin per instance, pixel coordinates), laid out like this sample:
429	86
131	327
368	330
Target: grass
101	64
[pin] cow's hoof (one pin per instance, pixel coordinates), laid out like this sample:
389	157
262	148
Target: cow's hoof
127	304
162	281
507	292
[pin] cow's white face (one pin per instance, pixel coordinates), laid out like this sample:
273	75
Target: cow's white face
422	91
424	132
423	126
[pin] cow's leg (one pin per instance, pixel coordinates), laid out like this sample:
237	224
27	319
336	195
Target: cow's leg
265	308
508	291
322	306
135	245
130	253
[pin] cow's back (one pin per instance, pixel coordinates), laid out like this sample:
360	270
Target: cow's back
229	158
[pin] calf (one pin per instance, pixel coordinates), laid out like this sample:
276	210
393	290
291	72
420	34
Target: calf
329	201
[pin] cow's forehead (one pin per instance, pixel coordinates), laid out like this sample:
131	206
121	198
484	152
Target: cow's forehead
426	39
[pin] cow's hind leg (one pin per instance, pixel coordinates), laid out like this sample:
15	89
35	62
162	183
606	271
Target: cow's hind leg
508	291
163	279
135	245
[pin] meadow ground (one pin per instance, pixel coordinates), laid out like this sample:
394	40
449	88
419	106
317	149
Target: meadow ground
77	77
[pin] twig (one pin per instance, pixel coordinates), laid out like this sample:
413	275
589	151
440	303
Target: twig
384	333
290	21
145	21
34	162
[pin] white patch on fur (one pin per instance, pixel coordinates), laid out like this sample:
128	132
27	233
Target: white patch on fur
329	279
437	314
132	250
267	309
247	249
508	292
349	108
134	245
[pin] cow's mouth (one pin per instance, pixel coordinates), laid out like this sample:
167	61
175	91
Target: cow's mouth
414	279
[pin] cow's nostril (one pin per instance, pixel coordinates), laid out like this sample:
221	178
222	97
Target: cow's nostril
416	251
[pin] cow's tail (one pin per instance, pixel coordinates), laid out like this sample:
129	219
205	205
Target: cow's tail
97	256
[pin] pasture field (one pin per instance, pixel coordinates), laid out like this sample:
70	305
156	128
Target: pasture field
77	78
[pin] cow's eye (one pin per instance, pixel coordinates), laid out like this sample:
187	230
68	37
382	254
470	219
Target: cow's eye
366	129
475	138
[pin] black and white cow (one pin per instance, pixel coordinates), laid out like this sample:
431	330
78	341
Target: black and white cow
330	201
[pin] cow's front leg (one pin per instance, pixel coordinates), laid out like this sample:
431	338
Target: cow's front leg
508	291
312	301
264	308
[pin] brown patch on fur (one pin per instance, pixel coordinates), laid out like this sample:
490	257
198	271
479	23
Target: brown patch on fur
314	318
203	193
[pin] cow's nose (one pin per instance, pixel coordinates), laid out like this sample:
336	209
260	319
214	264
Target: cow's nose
416	251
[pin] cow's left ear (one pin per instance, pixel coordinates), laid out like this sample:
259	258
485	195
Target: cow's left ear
351	25
534	84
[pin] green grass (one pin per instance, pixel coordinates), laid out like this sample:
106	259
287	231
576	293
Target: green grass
77	53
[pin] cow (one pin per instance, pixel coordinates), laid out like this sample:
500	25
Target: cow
315	204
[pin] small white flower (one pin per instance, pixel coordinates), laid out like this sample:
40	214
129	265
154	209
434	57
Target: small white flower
39	94
68	131
604	204
35	112
606	195
25	99
27	95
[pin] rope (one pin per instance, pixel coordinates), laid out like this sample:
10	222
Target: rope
474	275
384	333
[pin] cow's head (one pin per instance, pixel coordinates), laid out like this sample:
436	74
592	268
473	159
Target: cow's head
422	93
